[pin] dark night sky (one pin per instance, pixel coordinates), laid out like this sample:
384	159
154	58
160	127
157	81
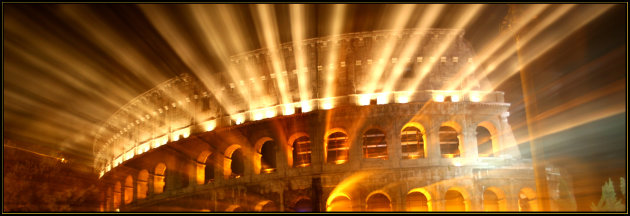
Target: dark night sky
66	70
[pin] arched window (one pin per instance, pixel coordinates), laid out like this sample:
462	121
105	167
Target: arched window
527	200
117	194
484	142
454	201
234	208
337	148
412	143
143	180
302	152
417	201
205	169
449	143
268	159
128	189
159	179
340	203
238	164
490	201
378	202
374	144
266	206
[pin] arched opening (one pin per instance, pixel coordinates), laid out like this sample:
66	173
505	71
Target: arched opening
128	189
412	143
484	142
205	167
527	200
159	179
143	182
449	142
340	203
302	151
303	205
268	157
417	201
374	144
234	208
454	201
266	206
378	202
117	194
337	148
238	164
490	201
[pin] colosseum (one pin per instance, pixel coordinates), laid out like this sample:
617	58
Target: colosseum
421	137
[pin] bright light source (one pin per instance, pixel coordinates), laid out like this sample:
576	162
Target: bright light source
101	174
455	98
269	170
402	98
306	107
438	98
381	98
327	104
289	109
364	100
475	97
239	119
457	163
258	115
340	161
270	113
210	125
175	136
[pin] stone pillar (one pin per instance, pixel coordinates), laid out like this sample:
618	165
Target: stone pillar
468	143
201	173
227	171
257	163
433	142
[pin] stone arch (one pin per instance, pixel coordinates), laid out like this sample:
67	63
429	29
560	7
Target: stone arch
234	208
457	199
494	199
159	178
417	197
494	133
143	182
265	155
265	206
205	167
128	189
300	151
450	139
527	200
412	140
375	144
336	146
339	201
228	161
378	201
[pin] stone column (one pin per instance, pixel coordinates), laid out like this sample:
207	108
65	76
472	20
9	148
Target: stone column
201	174
468	143
433	142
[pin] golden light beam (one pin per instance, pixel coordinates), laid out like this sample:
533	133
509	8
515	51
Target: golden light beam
489	51
296	14
338	19
462	21
540	47
385	50
430	15
186	50
268	34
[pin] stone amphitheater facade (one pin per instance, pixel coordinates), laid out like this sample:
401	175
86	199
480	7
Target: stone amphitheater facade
177	148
